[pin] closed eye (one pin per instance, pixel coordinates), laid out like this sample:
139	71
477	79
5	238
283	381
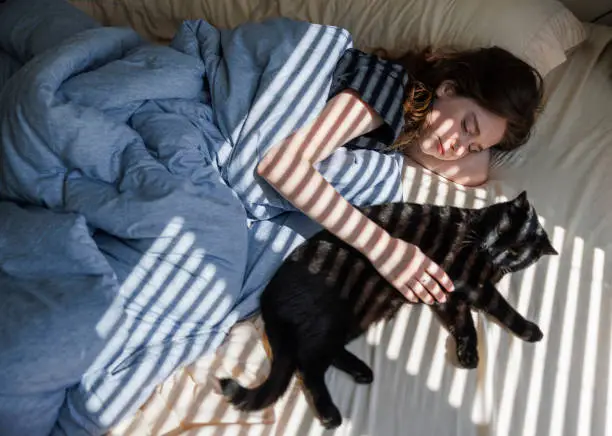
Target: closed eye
470	126
476	127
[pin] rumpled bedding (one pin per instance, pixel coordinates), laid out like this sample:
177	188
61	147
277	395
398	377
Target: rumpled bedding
134	231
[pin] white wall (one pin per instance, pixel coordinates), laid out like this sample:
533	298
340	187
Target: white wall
587	10
606	20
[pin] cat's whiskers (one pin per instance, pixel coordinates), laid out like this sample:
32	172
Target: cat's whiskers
469	239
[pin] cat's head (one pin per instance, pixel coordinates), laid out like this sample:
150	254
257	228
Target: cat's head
512	234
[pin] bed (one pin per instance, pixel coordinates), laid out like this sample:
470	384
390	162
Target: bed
560	386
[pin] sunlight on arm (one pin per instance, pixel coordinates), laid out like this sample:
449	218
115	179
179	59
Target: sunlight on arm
288	167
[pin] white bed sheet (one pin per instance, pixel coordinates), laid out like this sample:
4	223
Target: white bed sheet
560	386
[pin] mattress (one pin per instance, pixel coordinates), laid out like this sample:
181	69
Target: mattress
560	386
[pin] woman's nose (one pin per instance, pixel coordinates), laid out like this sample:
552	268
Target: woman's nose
455	144
457	147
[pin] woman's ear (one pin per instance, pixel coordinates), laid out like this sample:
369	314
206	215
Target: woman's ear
446	89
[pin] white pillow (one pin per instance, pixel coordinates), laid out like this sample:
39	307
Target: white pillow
158	20
538	31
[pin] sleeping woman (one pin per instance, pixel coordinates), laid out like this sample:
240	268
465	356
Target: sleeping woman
102	158
446	111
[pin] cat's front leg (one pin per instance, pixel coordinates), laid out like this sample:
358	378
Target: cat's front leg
456	317
492	302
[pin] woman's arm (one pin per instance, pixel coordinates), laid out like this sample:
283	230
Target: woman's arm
470	170
288	167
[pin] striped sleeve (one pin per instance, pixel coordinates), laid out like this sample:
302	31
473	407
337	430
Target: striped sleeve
381	85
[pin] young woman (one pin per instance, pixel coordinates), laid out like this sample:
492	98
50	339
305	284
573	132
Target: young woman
446	111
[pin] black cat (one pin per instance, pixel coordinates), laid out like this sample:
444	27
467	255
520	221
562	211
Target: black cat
326	293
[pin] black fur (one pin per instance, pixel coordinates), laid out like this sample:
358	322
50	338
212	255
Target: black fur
327	293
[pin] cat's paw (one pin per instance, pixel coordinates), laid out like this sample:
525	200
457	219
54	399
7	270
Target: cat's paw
532	333
364	377
467	353
331	418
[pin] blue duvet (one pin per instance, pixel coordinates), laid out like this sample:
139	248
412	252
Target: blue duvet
134	231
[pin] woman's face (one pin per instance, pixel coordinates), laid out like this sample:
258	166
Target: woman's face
458	125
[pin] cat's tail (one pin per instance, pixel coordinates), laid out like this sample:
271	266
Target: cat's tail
262	396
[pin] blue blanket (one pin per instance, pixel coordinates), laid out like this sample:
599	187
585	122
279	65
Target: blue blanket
134	231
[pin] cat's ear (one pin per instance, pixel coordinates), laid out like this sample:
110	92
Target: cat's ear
548	249
521	200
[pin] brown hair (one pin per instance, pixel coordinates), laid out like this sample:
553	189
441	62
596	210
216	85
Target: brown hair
493	77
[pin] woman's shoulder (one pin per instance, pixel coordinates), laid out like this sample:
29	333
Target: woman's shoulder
379	83
354	60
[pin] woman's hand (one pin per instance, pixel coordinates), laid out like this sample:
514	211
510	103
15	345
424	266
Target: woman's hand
411	272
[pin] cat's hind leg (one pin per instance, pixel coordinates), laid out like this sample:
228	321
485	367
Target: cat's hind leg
354	366
313	380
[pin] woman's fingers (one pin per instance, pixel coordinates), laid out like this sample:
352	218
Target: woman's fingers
420	291
433	287
414	274
439	275
411	296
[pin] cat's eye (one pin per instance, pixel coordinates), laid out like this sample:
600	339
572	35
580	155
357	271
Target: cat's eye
513	252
